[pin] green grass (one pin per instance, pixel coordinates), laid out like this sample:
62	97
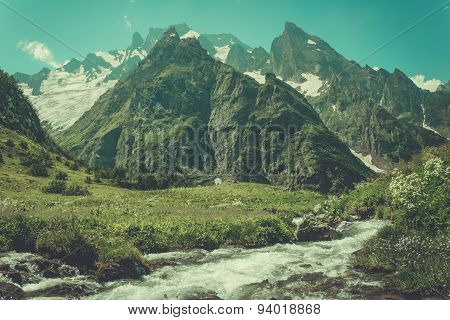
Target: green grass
113	222
416	263
415	250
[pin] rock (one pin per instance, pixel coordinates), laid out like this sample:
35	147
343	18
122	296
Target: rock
64	290
153	265
125	269
343	227
317	208
52	268
201	295
19	274
313	229
9	291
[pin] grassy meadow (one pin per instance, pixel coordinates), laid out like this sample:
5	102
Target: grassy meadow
112	223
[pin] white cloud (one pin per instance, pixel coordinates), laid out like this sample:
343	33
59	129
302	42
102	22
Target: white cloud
127	22
39	51
430	85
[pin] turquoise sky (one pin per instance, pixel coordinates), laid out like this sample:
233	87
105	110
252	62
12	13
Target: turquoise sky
353	28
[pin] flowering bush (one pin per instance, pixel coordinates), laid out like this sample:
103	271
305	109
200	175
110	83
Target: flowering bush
422	196
417	264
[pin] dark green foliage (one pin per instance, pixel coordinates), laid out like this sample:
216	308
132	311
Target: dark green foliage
38	170
118	175
76	190
88	180
75	166
69	244
55	186
10	143
97	178
60	175
42	158
1	158
23	145
20	231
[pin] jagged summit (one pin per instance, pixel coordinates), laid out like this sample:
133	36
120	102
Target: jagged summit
180	87
137	41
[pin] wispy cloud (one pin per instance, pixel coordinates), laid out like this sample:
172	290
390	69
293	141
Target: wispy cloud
39	51
128	24
430	85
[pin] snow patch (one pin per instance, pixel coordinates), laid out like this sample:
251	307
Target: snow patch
66	96
311	42
376	68
424	125
222	53
257	75
367	161
334	107
310	87
430	85
190	34
108	58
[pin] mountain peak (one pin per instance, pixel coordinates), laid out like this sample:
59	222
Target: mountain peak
137	41
165	46
291	27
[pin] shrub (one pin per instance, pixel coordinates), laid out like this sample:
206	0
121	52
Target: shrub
76	190
60	175
23	145
1	159
97	177
422	196
118	175
20	231
10	143
88	180
38	170
42	159
55	186
420	262
74	166
69	244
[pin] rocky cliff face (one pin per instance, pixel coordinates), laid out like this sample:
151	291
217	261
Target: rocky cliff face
347	90
17	113
243	59
183	111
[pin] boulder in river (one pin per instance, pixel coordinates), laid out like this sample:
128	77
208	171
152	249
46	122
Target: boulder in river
63	290
9	291
312	228
124	269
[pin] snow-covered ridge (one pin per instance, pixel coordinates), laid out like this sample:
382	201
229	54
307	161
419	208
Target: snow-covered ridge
310	87
66	96
190	34
222	53
257	75
367	161
108	57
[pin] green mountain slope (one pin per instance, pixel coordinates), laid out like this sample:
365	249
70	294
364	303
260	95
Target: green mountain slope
184	112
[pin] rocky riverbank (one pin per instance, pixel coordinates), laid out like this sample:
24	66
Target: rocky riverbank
314	269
